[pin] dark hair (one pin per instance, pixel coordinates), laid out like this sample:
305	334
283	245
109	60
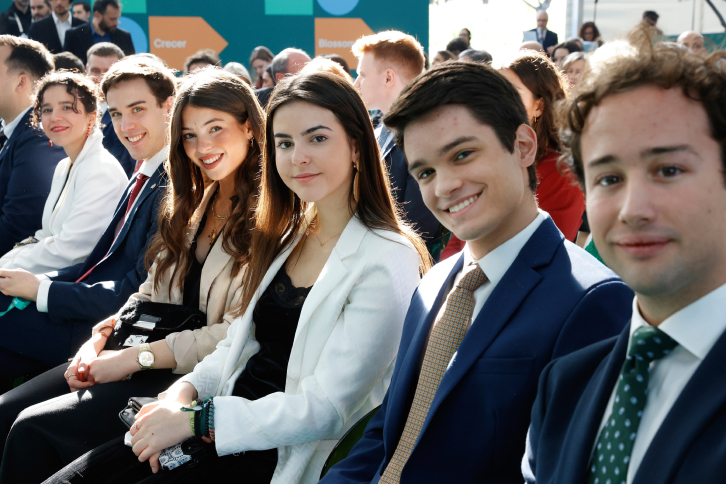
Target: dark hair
651	15
587	25
101	6
268	69
456	46
159	78
204	56
69	62
281	215
338	60
468	32
28	57
86	6
570	46
79	86
668	66
222	91
476	55
445	54
105	49
544	80
486	93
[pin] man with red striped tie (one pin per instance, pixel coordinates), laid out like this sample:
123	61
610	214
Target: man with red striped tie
67	303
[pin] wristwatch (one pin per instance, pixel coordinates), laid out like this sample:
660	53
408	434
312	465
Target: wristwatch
146	357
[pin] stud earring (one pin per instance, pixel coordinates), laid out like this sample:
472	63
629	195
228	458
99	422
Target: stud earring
50	142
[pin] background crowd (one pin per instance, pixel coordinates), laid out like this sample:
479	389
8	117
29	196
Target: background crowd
399	247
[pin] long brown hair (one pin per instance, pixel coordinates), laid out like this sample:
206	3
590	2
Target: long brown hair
280	215
544	80
219	90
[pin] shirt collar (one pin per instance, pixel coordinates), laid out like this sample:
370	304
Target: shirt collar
10	127
69	21
696	327
152	164
497	262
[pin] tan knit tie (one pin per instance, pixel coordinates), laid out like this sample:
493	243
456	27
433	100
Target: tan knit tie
446	336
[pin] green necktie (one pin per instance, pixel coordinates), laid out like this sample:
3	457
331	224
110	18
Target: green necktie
610	460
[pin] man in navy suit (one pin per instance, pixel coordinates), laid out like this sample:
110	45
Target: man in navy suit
100	59
647	406
103	27
546	38
51	31
27	161
387	62
140	94
457	409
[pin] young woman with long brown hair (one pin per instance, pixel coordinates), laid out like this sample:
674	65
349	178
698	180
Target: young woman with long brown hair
205	220
332	269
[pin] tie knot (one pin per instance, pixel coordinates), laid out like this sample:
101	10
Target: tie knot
473	278
649	344
141	177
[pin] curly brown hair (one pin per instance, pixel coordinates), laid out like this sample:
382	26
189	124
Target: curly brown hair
665	65
82	88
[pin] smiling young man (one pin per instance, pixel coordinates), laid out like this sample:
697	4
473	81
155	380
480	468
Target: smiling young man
648	406
481	326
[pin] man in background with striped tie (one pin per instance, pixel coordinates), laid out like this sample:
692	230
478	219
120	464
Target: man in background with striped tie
484	323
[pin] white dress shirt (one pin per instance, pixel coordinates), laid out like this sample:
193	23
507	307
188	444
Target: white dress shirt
495	264
62	27
147	168
695	328
9	128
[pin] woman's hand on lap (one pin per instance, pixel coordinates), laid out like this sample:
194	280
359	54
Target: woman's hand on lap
112	366
158	426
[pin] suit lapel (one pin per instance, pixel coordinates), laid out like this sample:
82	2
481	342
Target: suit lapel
402	387
585	422
702	398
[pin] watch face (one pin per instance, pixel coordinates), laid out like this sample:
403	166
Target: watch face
146	358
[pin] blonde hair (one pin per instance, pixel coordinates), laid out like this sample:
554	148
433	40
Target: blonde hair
320	64
396	49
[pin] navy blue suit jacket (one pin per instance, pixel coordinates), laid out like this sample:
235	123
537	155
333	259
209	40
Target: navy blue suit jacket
80	38
44	31
27	164
550	38
554	299
114	146
573	394
117	275
408	194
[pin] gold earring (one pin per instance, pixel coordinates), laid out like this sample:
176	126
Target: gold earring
356	189
252	142
535	121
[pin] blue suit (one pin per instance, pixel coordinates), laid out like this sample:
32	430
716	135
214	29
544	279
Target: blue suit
27	164
114	146
31	340
573	395
554	299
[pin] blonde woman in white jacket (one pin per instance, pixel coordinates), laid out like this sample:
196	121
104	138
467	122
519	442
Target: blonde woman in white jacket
86	186
332	269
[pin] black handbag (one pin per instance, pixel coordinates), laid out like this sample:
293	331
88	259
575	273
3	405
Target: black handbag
146	322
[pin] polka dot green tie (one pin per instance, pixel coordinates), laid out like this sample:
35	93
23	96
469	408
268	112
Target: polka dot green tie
446	336
611	457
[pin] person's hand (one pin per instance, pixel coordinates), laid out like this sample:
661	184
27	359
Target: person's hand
113	366
104	326
75	378
19	283
158	426
181	392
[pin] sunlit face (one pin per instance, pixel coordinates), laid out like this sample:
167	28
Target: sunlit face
532	105
588	34
313	153
542	19
371	82
559	55
80	13
38	9
694	42
214	140
259	65
471	183
97	66
267	80
60	7
64	126
138	120
655	191
574	71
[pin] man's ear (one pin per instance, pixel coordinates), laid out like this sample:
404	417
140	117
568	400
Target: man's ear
525	145
23	83
390	77
279	76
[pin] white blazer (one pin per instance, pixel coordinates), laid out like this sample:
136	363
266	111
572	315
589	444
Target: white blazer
76	213
341	361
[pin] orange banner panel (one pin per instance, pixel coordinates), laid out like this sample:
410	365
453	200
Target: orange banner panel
176	38
337	36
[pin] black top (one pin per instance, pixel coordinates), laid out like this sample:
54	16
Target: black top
192	283
276	316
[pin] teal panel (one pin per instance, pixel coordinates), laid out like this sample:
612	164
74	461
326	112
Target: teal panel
288	7
131	6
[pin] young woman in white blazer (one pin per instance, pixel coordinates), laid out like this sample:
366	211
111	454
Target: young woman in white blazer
332	269
205	222
86	186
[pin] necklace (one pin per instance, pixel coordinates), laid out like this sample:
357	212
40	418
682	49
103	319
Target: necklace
323	243
213	236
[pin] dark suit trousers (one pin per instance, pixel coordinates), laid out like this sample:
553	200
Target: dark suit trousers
52	426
